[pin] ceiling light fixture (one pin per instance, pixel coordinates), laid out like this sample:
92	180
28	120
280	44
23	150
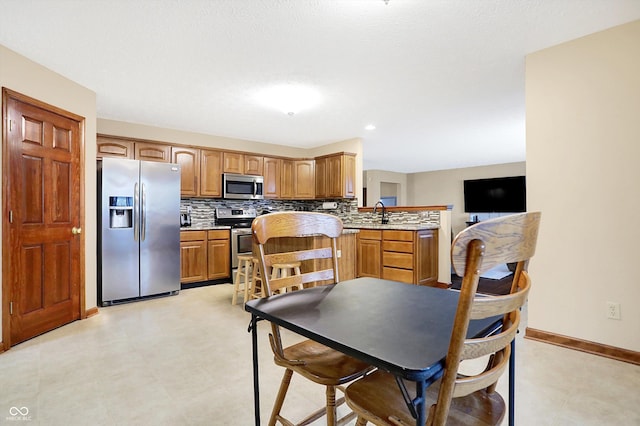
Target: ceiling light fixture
289	98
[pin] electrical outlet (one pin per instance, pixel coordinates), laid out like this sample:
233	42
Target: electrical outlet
339	253
613	310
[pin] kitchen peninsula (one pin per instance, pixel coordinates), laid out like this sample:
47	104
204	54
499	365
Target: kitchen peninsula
408	244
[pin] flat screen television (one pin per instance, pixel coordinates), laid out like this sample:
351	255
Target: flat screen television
497	195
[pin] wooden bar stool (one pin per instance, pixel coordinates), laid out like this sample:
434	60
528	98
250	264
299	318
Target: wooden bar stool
245	262
281	270
256	291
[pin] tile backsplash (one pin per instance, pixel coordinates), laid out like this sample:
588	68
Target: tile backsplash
203	210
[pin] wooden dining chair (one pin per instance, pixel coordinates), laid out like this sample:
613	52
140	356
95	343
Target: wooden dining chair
456	399
310	359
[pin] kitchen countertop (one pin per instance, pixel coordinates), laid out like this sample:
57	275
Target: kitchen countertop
392	226
205	226
349	228
346	230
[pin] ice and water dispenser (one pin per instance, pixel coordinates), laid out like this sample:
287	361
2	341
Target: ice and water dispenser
120	212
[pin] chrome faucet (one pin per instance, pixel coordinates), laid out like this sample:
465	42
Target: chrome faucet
385	219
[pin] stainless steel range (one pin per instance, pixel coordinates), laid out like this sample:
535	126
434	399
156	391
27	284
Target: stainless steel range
240	222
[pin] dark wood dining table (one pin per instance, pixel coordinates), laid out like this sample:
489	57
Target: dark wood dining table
400	328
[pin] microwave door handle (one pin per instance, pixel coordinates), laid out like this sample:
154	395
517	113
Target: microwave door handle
255	188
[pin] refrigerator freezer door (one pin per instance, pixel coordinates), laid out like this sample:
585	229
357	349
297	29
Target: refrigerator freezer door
119	249
159	228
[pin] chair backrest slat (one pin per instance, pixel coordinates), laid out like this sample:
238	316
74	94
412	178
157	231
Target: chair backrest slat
295	224
475	348
466	385
484	307
321	253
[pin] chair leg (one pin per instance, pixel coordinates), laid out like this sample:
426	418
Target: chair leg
247	276
361	421
256	289
296	271
277	405
236	287
331	406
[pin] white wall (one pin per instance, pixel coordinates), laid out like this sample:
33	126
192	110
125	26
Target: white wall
24	76
583	148
445	187
376	179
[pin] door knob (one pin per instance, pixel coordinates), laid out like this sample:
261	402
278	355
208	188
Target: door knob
76	231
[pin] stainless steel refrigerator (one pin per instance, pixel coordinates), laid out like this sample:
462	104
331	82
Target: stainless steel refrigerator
139	229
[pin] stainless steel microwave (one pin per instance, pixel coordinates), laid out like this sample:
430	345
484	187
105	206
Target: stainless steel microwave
242	187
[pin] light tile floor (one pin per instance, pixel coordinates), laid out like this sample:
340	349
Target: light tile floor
186	360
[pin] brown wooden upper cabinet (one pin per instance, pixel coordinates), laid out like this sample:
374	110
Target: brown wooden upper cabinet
289	179
321	177
328	176
201	171
113	147
152	152
304	179
189	161
253	165
272	183
210	173
108	146
233	162
286	179
335	176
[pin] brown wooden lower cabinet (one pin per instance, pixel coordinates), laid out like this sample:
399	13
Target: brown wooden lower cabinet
219	254
348	256
368	253
204	255
399	255
397	274
426	264
193	256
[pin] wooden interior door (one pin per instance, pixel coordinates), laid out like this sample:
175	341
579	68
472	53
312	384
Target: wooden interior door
42	256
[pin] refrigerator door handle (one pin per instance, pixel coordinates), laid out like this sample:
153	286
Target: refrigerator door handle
143	214
136	211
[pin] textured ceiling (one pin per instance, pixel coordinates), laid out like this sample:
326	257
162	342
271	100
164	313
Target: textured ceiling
442	80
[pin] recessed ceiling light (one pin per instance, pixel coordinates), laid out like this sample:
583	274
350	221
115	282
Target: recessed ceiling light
289	98
369	127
